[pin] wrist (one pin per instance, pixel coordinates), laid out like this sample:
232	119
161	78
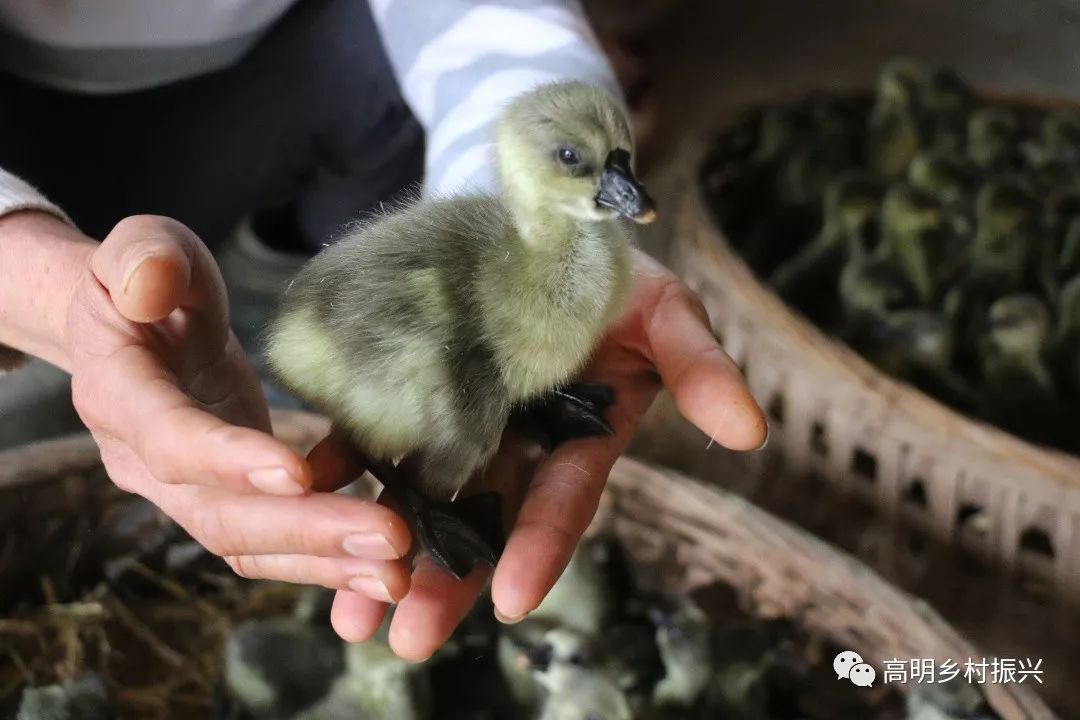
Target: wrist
42	261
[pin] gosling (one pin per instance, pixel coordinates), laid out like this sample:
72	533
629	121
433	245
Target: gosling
425	329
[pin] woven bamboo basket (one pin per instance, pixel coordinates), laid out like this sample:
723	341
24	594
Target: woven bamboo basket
837	423
836	418
682	534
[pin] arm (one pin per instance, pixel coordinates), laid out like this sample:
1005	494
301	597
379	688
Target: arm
458	61
40	257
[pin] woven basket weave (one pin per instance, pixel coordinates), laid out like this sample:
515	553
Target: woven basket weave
837	418
684	536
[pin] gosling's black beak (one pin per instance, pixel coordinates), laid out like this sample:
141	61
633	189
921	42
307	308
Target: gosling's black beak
620	190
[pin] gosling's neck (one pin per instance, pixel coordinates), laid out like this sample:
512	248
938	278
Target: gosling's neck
584	261
546	230
543	229
569	278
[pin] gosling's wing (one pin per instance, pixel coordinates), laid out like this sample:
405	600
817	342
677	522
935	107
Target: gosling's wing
366	327
402	275
391	258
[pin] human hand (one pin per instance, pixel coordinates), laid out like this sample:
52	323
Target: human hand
662	340
173	404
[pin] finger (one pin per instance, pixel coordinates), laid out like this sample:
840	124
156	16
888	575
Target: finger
385	581
153	265
335	462
435	605
179	442
708	388
510	473
560	504
562	500
355	617
321	525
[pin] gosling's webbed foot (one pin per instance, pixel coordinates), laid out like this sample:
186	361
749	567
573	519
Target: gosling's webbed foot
457	535
460	534
574	411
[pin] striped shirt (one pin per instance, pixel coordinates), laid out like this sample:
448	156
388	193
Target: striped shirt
457	61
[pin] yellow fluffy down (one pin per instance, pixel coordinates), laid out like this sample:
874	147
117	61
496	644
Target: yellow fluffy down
387	410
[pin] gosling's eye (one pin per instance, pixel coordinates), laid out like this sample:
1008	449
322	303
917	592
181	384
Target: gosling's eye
568	156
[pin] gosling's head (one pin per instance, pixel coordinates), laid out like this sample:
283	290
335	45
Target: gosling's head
943	175
1017	324
1003	207
851	202
683	640
898	83
567	146
909	214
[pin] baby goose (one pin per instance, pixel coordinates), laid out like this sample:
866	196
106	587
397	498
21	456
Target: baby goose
584	598
992	135
946	176
684	640
529	648
916	232
947	100
422	330
84	698
1061	136
579	692
1007	218
870	288
281	666
896	130
958	701
376	685
920	347
1012	353
851	207
743	656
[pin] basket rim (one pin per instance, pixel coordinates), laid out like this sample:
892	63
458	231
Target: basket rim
695	221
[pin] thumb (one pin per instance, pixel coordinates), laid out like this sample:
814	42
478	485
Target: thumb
146	264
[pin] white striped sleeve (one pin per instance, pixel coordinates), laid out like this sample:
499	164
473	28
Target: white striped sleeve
17	194
459	61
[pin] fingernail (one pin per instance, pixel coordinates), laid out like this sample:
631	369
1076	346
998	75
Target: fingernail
275	481
370	546
132	269
371	586
765	442
505	620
